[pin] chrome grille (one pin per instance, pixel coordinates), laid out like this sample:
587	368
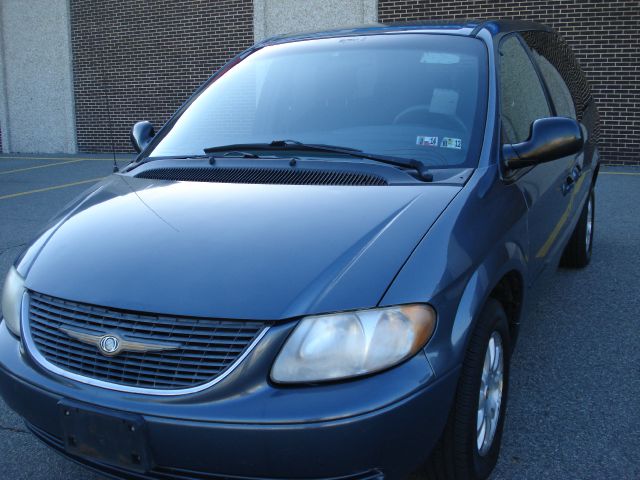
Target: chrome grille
207	347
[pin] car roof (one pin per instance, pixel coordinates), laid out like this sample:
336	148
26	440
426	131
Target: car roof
495	27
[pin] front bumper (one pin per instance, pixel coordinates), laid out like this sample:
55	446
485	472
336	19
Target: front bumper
353	431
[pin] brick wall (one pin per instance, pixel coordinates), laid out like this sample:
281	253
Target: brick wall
143	59
603	34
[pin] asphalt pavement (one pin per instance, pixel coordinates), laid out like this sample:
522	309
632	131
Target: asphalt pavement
574	405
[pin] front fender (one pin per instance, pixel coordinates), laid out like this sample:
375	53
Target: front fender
481	237
506	259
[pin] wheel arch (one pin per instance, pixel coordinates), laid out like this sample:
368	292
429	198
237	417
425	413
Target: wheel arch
509	291
502	276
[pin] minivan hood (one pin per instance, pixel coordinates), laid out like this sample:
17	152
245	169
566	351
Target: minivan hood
236	251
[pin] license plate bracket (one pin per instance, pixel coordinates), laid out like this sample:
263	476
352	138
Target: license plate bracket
107	436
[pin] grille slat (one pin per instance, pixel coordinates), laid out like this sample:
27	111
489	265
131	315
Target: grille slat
45	337
207	346
264	176
195	341
157	375
136	373
144	333
134	358
156	322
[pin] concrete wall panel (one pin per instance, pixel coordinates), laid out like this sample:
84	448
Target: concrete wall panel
272	17
38	82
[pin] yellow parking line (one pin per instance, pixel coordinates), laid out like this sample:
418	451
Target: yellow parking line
620	173
46	189
87	159
5	172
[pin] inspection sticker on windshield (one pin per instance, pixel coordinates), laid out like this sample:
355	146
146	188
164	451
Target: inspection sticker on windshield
451	143
428	141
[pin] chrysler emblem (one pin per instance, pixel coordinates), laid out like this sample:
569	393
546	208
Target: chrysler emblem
110	344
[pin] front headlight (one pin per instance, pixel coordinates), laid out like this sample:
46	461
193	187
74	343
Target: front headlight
343	345
12	300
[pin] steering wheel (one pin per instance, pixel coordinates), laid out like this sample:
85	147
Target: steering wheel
422	112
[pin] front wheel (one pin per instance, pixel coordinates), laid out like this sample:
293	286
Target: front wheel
577	253
470	444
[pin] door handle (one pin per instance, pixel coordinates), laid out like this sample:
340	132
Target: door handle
571	180
568	184
576	172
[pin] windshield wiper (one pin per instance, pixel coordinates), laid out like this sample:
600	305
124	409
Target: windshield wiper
320	147
239	154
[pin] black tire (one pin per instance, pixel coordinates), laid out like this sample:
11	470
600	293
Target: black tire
577	253
457	456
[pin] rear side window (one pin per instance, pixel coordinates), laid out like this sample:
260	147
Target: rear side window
560	94
522	98
556	59
552	48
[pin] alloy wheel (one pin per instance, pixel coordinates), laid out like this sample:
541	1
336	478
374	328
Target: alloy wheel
490	395
589	229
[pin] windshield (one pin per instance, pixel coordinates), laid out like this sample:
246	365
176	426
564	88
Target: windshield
411	95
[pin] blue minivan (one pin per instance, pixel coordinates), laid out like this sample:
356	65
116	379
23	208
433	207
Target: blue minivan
317	268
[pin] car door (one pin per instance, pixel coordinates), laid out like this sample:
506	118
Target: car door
523	99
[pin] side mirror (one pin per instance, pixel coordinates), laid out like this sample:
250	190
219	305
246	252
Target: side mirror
141	135
550	139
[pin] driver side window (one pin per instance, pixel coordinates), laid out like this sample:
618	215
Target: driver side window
522	98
